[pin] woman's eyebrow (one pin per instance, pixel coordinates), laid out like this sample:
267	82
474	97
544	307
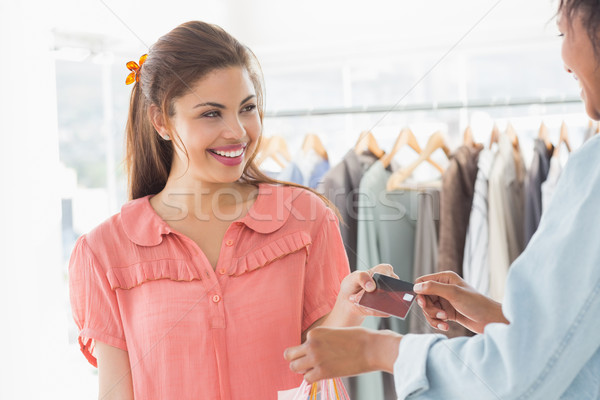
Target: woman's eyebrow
221	106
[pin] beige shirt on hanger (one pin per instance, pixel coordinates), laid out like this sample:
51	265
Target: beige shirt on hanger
506	212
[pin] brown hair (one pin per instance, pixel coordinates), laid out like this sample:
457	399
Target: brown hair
175	62
589	11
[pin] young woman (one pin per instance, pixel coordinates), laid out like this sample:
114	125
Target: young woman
197	286
543	342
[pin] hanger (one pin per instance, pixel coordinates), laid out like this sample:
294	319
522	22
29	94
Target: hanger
435	142
468	137
543	134
563	138
407	136
273	147
312	142
495	135
512	135
367	140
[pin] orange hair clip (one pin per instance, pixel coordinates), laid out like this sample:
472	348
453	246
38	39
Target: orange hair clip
135	70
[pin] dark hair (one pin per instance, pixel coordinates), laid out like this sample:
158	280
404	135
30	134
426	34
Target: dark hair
175	62
589	12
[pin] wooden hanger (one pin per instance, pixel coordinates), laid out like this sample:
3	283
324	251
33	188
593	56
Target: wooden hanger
495	135
407	136
435	142
512	135
312	142
563	138
366	140
543	134
272	147
468	137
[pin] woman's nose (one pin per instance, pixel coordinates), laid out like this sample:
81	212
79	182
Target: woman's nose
234	129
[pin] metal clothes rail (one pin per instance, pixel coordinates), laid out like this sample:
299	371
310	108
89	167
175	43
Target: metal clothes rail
493	103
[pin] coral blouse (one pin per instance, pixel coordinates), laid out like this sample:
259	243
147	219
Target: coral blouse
192	332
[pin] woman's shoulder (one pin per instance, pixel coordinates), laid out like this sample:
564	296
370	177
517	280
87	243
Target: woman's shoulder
118	228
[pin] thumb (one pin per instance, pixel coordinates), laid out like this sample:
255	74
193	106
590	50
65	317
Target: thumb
432	288
365	281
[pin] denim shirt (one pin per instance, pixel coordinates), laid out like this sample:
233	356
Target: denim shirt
551	349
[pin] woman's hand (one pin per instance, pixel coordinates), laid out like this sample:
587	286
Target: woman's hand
445	296
335	352
346	311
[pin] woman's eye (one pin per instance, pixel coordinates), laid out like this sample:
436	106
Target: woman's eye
211	114
249	107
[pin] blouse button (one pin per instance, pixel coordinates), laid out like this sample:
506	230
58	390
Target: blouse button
229	243
216	298
222	271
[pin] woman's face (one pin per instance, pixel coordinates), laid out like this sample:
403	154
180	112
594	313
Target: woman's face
580	60
219	126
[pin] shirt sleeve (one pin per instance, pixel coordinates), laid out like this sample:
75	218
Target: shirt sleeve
93	302
326	267
552	302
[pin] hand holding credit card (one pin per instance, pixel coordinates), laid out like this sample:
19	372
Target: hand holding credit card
391	296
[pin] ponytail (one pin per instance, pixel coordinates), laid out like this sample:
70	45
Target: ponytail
148	156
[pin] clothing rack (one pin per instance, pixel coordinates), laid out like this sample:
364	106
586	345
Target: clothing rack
453	105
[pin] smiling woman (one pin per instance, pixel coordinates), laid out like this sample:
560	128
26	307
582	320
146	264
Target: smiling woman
212	269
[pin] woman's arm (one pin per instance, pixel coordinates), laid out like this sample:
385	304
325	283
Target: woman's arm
114	373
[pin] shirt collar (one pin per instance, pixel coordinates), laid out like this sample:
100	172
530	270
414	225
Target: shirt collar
270	211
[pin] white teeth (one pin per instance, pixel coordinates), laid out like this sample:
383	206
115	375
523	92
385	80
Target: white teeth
230	154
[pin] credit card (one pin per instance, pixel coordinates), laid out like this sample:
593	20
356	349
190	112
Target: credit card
392	296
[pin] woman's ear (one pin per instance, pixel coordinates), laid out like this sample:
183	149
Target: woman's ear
156	117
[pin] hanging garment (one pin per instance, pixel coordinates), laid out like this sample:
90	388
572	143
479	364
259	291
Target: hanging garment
506	209
318	172
291	173
536	175
307	169
458	184
549	186
341	186
426	249
476	267
551	349
386	234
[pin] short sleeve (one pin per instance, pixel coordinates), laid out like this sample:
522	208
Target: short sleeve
326	267
93	302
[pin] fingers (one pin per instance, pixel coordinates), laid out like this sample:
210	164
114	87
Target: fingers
434	314
383	269
432	288
365	280
315	374
444	277
293	353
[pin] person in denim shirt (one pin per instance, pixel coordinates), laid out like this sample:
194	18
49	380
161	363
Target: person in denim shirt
543	342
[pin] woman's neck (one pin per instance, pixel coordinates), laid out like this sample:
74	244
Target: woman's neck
187	198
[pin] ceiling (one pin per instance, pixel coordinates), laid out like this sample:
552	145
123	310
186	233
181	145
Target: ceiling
298	32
